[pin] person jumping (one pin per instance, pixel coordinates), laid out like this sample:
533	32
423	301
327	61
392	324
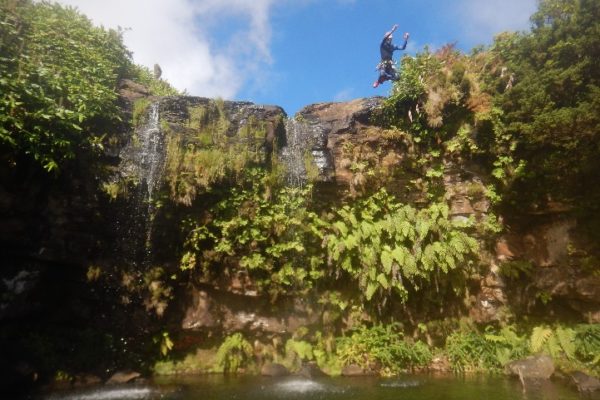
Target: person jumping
386	68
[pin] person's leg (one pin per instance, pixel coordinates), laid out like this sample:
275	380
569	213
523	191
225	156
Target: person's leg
391	73
380	79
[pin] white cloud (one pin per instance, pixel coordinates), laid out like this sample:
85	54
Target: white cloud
480	20
176	35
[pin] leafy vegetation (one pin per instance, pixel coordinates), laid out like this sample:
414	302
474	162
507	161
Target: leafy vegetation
389	247
59	76
235	353
56	91
587	345
527	106
472	351
383	349
209	156
274	240
527	109
552	108
492	350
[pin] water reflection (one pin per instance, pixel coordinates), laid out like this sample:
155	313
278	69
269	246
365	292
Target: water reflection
292	388
108	393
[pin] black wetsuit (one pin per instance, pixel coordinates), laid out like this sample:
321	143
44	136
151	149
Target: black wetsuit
386	66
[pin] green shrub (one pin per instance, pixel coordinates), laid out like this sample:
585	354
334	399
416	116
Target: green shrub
58	80
235	353
275	241
388	247
470	351
587	345
383	349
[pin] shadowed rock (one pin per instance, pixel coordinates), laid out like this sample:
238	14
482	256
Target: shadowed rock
584	382
311	370
122	377
355	370
274	369
532	368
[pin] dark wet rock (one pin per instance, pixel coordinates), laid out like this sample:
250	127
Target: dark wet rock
226	311
585	383
122	377
554	252
532	368
342	117
84	380
176	109
274	369
131	90
440	364
200	312
355	370
311	370
323	129
543	243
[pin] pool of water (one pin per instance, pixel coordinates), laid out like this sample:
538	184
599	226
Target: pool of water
413	387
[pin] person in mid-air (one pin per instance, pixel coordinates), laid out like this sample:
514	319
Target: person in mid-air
386	68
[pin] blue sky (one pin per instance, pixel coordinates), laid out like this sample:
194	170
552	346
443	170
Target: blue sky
293	53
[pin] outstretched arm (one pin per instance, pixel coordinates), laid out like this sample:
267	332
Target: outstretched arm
387	34
406	36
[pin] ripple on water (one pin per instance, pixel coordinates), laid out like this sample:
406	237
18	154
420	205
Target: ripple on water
304	386
400	384
107	394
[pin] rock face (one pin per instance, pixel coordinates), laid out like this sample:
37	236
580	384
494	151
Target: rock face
64	225
585	383
534	367
348	140
311	371
274	369
355	370
122	377
225	311
345	140
540	252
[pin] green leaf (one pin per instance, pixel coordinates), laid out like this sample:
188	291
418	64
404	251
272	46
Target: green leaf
539	337
341	227
382	279
399	254
371	289
387	260
347	263
350	242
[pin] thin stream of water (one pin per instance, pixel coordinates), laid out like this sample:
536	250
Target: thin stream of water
143	159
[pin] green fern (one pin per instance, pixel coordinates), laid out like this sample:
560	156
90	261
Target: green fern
566	339
396	246
234	353
503	355
587	344
539	338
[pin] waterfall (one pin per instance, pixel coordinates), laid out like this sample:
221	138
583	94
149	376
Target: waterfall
142	161
293	153
150	158
305	148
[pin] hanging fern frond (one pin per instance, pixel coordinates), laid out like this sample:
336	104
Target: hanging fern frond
553	347
566	338
539	337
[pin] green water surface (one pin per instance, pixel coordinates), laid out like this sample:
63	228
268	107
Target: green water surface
413	387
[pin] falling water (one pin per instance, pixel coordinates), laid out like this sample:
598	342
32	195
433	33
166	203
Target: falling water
149	159
293	153
305	147
143	160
